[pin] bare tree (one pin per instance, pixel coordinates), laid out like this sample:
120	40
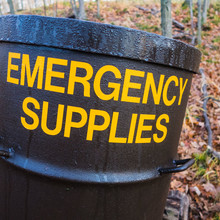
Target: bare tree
192	23
16	5
45	8
204	12
166	18
11	6
35	3
191	16
199	30
55	9
22	4
0	8
29	5
74	7
98	8
82	13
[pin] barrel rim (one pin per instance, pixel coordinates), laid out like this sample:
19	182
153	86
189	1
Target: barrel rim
99	38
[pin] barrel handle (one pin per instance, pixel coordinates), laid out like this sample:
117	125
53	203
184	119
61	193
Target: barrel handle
179	166
6	154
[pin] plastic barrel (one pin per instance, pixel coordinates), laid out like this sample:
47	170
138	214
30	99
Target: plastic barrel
91	116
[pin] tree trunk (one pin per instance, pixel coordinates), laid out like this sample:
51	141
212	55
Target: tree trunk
166	19
11	6
199	30
98	8
192	23
82	13
29	5
16	5
0	8
191	16
35	3
55	9
74	7
45	8
22	5
204	13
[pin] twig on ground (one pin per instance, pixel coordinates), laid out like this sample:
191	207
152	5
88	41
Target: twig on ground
213	98
182	35
178	24
207	123
144	9
153	11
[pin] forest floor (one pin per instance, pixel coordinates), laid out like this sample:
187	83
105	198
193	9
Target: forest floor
200	182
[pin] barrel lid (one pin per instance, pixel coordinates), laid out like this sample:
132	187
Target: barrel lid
98	38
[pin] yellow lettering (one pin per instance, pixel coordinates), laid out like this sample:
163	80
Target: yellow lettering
161	127
112	136
132	128
83	80
165	90
12	67
50	74
59	121
142	127
97	83
129	85
39	67
71	124
182	88
30	113
150	83
93	127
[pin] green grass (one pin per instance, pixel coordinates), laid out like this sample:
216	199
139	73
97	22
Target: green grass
204	162
212	61
38	11
143	27
66	4
216	40
216	217
215	47
216	20
186	20
216	6
177	12
146	27
200	163
125	10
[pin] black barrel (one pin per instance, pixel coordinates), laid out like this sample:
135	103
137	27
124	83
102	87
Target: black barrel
91	116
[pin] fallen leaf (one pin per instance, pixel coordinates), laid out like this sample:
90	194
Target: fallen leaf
196	190
175	184
208	187
215	208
